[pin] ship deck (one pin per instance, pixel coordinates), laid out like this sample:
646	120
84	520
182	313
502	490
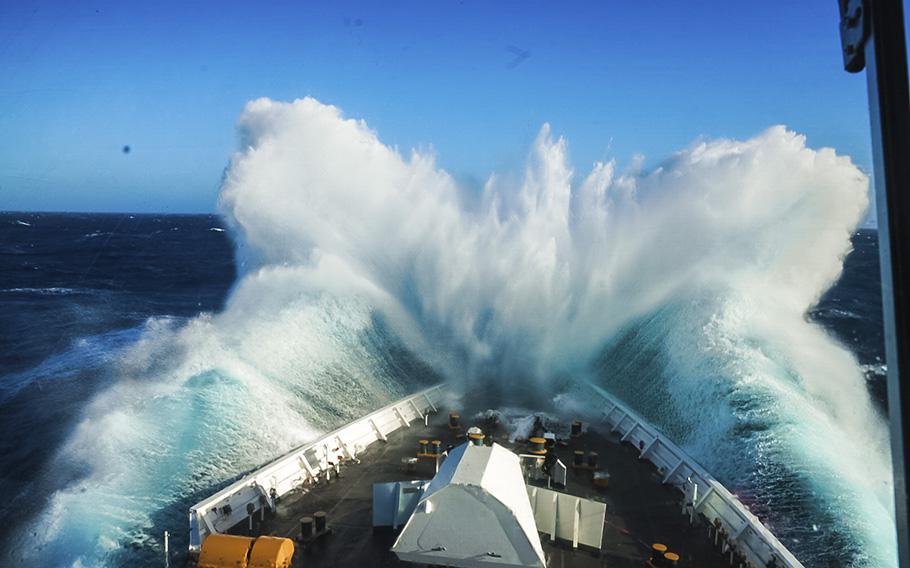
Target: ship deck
640	510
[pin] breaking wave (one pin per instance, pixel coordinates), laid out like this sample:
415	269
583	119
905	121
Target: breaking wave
365	273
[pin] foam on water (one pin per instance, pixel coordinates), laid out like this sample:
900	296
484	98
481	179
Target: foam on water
194	405
51	291
684	289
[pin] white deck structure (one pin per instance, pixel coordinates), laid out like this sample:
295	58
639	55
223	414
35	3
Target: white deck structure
475	512
476	499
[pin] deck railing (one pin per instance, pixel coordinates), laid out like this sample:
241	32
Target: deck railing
249	495
260	488
711	499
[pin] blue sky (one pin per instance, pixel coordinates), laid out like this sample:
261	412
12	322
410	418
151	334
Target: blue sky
169	79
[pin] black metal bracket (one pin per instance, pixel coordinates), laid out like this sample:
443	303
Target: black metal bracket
873	36
854	31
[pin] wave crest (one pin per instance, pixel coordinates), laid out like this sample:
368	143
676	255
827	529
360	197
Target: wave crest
683	288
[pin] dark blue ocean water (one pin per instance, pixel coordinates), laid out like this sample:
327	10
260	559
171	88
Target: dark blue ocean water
852	311
76	287
73	288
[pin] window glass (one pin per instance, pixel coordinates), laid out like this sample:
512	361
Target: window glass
227	230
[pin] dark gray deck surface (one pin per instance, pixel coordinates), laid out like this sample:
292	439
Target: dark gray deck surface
640	510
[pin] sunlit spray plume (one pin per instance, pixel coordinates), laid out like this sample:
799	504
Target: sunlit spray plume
538	276
683	288
731	241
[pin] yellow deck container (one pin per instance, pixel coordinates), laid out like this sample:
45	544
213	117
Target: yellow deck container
224	550
272	552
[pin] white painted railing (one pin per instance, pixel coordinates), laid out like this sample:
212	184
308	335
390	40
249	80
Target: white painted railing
234	503
712	499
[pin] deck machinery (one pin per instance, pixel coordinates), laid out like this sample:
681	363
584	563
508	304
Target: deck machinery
415	483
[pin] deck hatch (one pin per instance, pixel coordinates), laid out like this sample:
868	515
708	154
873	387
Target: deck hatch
475	512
